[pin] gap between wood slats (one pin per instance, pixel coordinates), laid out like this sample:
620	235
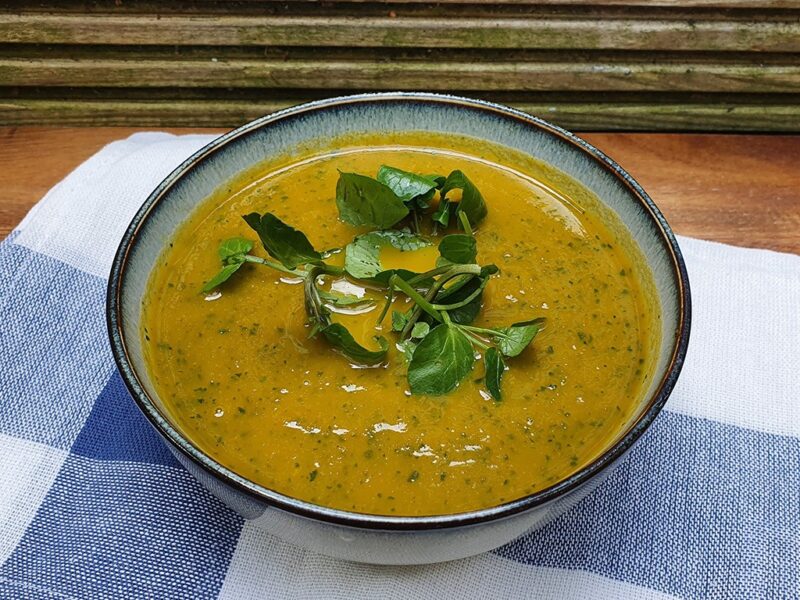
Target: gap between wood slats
584	116
626	3
379	55
403	32
660	9
360	75
297	95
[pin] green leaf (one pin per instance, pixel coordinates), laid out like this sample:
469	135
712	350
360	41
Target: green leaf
437	179
489	270
234	249
441	360
283	242
458	292
495	367
407	347
459	248
231	253
405	185
362	255
404	274
422	202
471	203
420	330
343	299
222	276
513	340
399	320
364	201
442	214
340	338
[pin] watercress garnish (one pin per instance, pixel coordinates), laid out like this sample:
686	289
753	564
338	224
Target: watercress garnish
420	330
417	191
459	248
495	367
343	300
399	320
408	186
463	299
471	203
283	242
441	215
222	276
362	255
362	200
440	361
435	333
511	341
340	338
232	253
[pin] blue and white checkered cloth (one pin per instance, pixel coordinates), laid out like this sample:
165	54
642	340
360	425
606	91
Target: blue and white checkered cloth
92	505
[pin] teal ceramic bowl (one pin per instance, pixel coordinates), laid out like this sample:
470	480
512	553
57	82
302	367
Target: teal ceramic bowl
371	538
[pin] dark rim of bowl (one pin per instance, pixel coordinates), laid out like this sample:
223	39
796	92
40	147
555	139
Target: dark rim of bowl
382	522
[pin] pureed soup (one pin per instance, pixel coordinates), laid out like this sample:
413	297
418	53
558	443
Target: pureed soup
237	372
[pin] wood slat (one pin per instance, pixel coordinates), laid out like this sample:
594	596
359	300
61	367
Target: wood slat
239	5
572	115
749	4
448	9
755	36
405	75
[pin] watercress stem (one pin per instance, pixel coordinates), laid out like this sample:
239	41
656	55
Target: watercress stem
313	302
474	338
274	265
386	306
409	291
462	216
416	312
465	301
492	332
448	273
331	269
428	274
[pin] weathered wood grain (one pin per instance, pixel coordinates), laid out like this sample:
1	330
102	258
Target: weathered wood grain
742	190
737	189
231	30
628	116
209	6
698	65
285	6
404	75
759	4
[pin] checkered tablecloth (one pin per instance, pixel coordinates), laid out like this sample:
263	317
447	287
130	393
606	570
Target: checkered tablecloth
92	505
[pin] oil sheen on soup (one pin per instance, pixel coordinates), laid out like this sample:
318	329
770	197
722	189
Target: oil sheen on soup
237	373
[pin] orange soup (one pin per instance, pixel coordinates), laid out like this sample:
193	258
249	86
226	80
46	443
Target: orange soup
237	372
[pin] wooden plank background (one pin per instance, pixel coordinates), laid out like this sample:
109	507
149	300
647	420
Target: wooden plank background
703	65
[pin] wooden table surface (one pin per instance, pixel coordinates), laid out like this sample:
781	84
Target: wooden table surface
738	189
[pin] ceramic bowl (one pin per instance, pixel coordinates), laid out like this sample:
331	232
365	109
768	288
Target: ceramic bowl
370	538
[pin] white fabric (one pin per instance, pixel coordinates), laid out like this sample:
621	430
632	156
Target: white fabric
743	363
262	562
27	472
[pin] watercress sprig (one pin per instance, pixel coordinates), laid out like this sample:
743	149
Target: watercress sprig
435	334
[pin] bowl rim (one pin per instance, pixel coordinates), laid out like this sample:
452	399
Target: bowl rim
275	499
